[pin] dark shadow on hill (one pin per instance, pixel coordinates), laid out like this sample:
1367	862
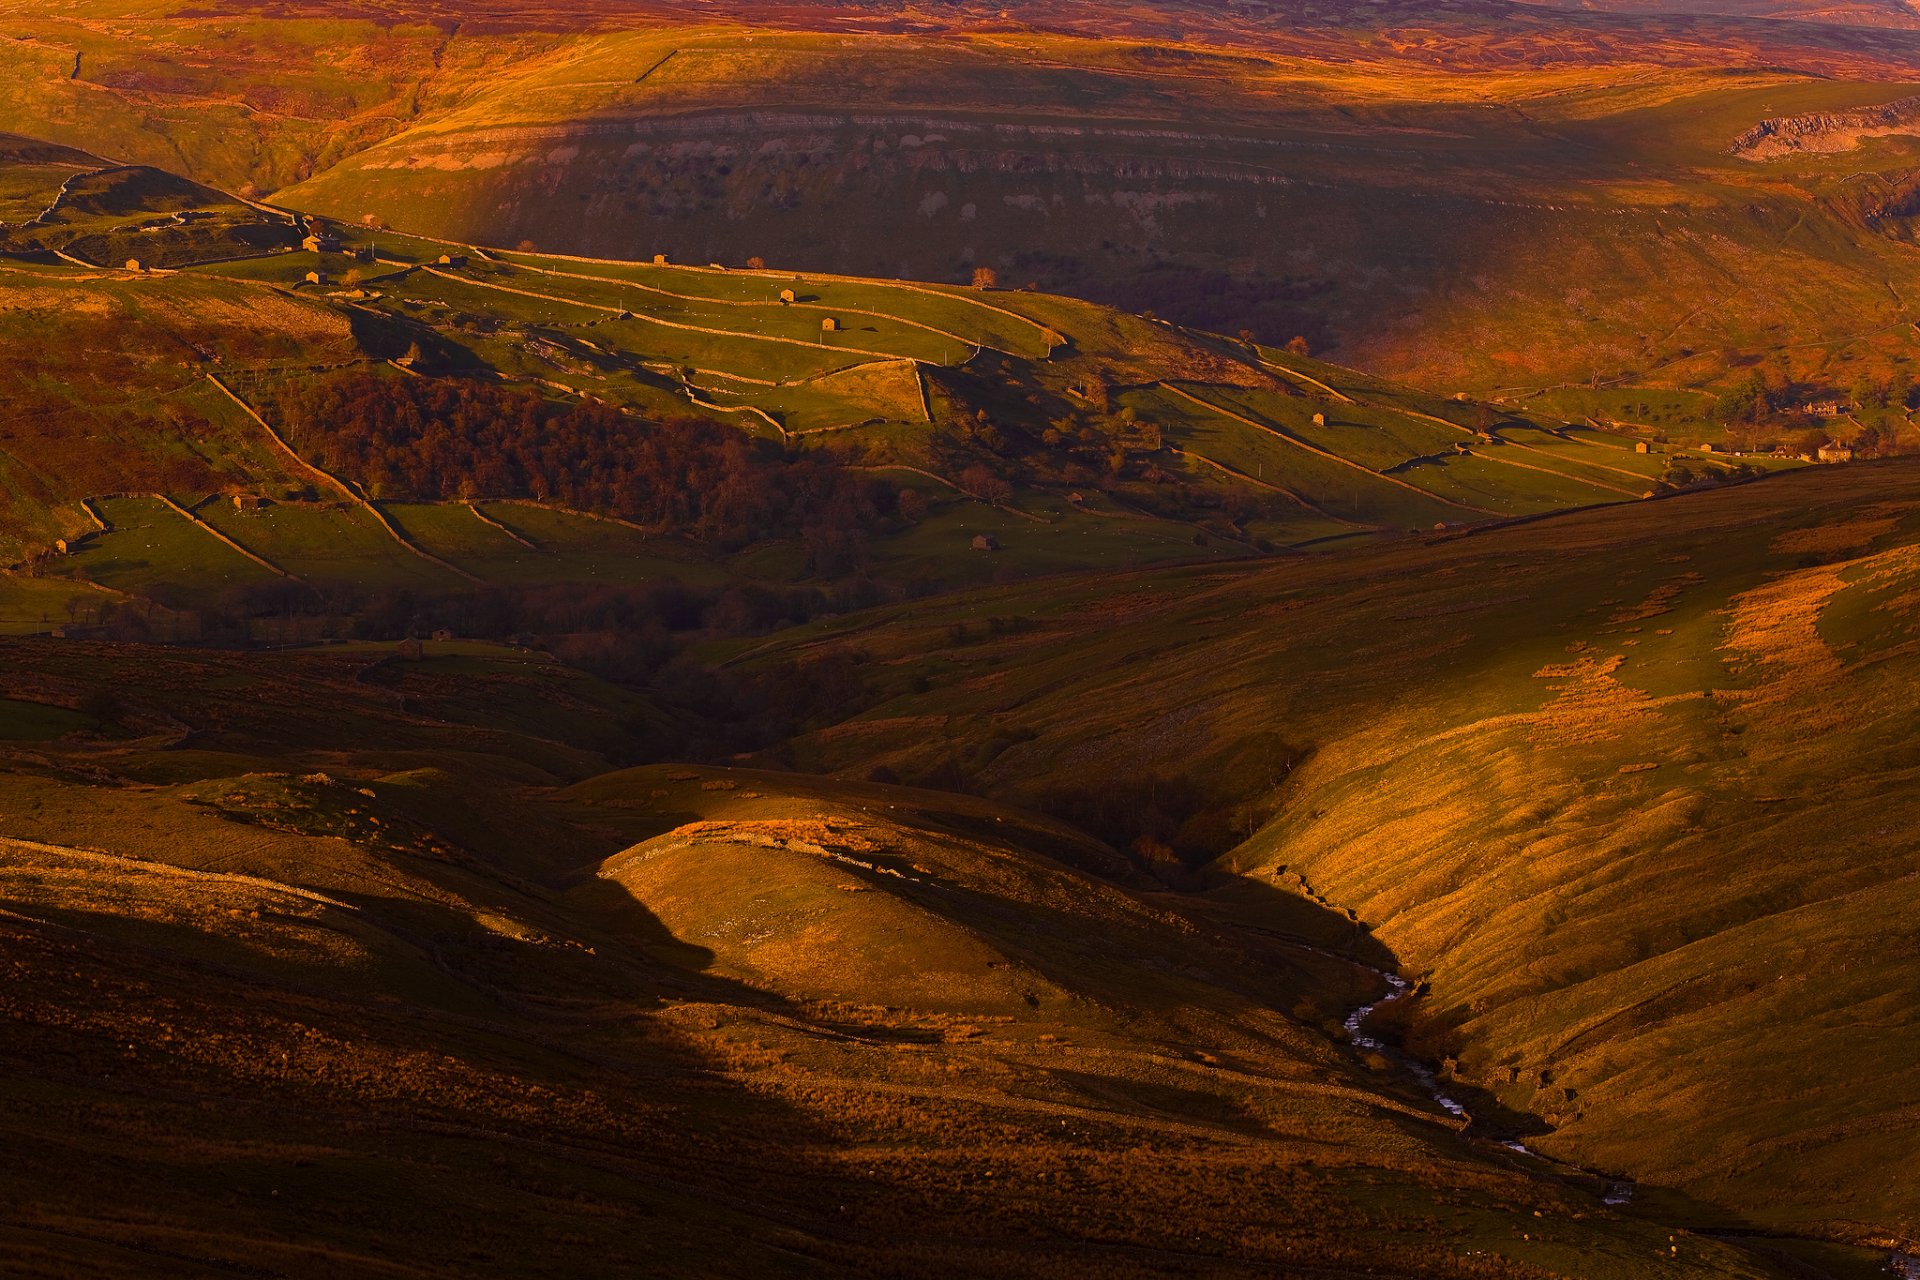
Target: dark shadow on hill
282	1122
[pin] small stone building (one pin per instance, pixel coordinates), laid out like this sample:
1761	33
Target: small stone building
786	295
452	259
134	264
830	325
985	542
1642	447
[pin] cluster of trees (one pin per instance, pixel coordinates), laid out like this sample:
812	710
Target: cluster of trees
1765	409
432	438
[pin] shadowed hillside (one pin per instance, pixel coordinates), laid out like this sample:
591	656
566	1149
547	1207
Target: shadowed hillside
258	966
1625	790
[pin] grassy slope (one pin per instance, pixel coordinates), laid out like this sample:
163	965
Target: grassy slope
1511	199
125	357
1565	229
340	973
1627	787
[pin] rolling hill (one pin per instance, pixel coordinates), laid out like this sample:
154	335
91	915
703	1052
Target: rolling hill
246	427
1501	198
1625	791
259	965
653	642
290	925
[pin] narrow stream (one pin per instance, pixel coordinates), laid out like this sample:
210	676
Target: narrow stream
1619	1190
1361	1040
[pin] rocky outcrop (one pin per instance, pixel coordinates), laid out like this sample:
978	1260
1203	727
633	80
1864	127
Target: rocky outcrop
1824	132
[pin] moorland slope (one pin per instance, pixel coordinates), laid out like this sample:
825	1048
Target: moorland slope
332	961
1478	195
1627	792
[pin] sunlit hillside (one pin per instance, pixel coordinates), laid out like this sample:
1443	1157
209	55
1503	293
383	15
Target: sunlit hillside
1484	196
202	432
1626	791
1021	639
